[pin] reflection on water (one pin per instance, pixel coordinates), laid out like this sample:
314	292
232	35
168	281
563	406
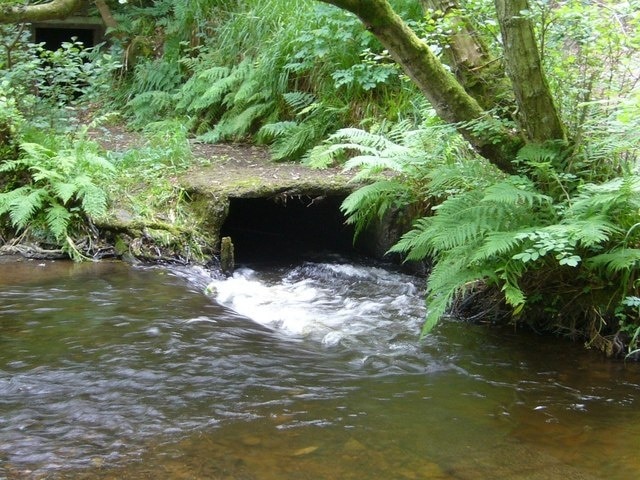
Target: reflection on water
307	372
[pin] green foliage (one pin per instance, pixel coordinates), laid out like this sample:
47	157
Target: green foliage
590	50
280	81
60	194
393	165
44	84
546	239
10	123
165	152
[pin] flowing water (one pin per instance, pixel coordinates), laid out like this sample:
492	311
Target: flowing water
312	371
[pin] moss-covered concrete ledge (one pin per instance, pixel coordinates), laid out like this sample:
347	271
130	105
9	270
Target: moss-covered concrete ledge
206	191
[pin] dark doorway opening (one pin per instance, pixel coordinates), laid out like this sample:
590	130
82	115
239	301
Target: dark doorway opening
273	230
54	37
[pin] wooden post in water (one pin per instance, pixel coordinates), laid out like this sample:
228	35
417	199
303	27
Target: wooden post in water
227	257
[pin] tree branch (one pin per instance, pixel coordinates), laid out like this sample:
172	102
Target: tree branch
445	93
55	9
105	13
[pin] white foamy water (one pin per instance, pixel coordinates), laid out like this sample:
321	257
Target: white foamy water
329	302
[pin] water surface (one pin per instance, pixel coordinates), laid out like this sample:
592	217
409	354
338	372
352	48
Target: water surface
311	371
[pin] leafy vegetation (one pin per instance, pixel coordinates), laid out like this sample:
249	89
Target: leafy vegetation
60	195
556	244
280	81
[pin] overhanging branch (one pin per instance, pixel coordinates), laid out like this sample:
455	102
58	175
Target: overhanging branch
55	9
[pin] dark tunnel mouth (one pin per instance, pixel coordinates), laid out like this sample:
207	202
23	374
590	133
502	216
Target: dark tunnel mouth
54	37
287	229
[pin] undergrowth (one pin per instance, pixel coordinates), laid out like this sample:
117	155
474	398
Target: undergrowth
279	81
559	241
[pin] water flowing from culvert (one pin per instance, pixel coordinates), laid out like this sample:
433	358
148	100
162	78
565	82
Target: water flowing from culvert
307	371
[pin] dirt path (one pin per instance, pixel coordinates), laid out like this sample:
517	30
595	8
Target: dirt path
245	170
236	169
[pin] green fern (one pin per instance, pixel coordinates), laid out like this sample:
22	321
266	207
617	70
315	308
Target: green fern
514	191
297	101
23	207
372	202
58	219
149	106
62	193
507	233
617	260
198	84
376	152
416	244
500	244
238	125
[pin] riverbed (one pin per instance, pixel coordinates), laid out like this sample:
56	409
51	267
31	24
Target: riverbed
313	370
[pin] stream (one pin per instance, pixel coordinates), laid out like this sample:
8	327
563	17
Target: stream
306	371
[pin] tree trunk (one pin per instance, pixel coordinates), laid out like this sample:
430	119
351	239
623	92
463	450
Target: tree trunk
447	96
537	112
481	74
105	13
55	9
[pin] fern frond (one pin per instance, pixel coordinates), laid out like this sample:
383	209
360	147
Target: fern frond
249	92
374	162
616	261
537	153
416	244
8	198
40	174
361	137
298	100
24	207
195	87
58	219
450	278
13	165
93	199
497	244
513	191
222	90
463	218
372	202
452	178
294	142
593	231
149	106
235	125
214	95
324	155
64	191
96	163
270	131
606	197
36	151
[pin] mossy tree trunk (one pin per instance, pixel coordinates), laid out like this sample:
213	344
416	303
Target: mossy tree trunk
11	12
536	109
445	93
453	102
481	74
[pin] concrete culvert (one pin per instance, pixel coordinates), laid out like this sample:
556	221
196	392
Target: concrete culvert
287	227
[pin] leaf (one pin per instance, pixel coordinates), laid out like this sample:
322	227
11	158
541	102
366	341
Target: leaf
58	218
23	208
64	191
571	261
514	191
94	200
617	260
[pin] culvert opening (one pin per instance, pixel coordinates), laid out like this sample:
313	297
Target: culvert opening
54	37
266	230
